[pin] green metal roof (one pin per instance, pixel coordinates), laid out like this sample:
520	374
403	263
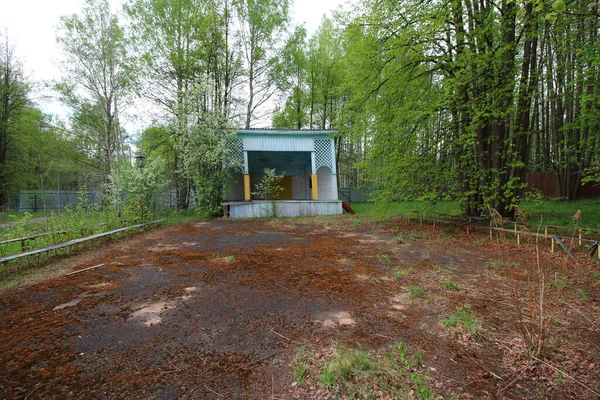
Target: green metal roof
291	132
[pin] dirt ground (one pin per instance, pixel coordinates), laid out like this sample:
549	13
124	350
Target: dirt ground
216	309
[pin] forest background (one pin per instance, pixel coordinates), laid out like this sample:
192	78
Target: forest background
432	100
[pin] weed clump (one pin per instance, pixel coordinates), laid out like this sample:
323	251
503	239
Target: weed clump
356	373
463	320
416	292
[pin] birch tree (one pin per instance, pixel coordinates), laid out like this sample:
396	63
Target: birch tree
262	24
13	101
99	76
188	55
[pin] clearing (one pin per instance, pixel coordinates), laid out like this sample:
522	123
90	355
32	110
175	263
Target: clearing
305	308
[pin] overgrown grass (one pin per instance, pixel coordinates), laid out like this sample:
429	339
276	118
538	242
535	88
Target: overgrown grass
6	217
548	212
392	373
406	208
72	223
301	365
463	320
558	212
177	218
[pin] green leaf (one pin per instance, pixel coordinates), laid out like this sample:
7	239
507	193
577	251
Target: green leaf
559	6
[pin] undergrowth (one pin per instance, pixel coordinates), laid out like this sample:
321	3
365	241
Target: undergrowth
392	373
553	211
463	320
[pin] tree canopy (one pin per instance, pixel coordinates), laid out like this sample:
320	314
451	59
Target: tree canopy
430	100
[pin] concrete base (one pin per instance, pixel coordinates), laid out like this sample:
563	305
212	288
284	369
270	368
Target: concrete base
280	208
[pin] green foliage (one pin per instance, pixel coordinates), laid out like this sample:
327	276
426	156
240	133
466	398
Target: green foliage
592	173
390	373
399	239
548	212
73	222
595	275
303	357
99	76
559	283
416	292
464	320
13	102
292	73
453	118
400	273
496	266
310	76
135	191
21	228
408	208
269	187
346	363
479	242
559	6
383	259
449	285
583	295
190	73
262	21
300	373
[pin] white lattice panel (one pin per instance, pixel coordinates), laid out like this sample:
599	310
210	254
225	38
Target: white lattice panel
323	153
236	151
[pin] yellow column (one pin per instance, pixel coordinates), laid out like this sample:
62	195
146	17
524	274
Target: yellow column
315	187
247	194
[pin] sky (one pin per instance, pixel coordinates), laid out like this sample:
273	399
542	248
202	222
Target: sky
31	28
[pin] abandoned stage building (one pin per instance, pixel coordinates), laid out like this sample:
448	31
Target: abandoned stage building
306	159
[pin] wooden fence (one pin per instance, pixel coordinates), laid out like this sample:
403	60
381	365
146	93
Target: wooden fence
548	184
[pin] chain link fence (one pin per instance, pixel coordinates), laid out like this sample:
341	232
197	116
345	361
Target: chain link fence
355	195
53	200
